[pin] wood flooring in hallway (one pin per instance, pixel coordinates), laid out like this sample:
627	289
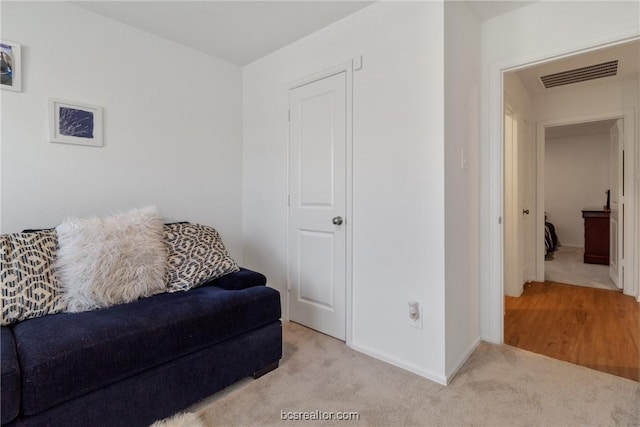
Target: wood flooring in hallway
596	328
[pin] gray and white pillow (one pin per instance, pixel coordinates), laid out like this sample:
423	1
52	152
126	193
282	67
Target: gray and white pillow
196	255
30	287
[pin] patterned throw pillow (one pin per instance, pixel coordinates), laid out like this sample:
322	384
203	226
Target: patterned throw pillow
196	256
30	287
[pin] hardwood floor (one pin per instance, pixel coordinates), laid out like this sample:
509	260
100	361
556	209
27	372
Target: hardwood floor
596	328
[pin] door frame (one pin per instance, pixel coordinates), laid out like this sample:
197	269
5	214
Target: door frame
492	276
347	68
627	116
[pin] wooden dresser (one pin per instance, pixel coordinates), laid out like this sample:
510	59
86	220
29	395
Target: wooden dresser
596	236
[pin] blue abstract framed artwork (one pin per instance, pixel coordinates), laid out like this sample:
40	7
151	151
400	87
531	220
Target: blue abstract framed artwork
10	67
75	123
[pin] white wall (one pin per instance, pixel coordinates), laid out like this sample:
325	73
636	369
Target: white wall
398	172
576	177
462	98
637	178
172	124
535	32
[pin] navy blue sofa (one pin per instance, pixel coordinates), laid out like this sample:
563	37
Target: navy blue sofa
133	364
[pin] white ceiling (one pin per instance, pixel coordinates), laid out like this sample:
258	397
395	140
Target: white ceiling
241	31
579	129
628	55
237	31
490	9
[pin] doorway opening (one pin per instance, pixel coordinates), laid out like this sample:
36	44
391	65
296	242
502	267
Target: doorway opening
570	126
581	182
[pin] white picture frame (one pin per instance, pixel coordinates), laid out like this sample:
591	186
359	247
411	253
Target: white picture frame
10	66
75	123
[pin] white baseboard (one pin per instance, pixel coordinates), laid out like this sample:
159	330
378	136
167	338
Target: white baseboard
463	359
399	363
489	339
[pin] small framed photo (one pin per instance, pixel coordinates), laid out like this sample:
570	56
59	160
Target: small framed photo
74	123
10	66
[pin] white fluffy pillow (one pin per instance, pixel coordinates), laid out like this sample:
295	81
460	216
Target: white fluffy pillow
113	260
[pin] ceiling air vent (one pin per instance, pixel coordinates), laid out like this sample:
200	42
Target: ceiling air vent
583	74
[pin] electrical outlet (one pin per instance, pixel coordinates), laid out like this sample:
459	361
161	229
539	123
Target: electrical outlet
415	314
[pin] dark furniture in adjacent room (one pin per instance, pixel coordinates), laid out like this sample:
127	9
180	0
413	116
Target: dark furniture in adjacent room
596	236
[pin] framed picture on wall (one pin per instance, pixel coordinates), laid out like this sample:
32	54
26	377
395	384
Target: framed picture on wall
74	123
10	66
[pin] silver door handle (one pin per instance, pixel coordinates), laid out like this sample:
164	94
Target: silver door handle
525	211
337	220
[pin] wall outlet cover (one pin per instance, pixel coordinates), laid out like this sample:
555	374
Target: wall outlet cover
415	315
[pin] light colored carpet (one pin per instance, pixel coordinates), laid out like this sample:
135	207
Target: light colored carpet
567	266
498	386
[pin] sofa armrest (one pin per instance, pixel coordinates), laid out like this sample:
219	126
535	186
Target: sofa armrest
11	390
239	280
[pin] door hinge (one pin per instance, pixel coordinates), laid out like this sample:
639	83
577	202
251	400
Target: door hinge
499	220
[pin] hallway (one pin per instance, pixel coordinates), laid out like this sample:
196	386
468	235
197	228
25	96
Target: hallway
596	328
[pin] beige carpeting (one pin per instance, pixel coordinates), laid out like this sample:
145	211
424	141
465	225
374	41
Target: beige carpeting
567	266
498	386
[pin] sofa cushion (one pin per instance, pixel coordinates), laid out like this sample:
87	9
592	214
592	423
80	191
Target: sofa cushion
30	287
111	260
196	255
69	354
242	279
170	388
10	376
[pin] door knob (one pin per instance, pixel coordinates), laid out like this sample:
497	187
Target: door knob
337	220
525	211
